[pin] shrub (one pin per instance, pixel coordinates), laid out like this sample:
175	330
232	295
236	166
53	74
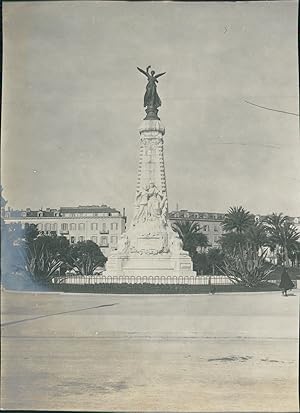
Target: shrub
245	266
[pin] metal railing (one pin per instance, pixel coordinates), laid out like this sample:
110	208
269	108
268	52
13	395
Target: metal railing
136	279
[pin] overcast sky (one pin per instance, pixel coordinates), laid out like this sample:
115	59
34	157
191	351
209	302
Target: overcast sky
73	102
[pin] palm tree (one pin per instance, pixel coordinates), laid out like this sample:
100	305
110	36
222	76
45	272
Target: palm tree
237	220
231	241
185	227
256	236
282	235
192	238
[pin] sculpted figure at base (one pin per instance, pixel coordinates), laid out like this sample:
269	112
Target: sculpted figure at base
123	244
176	245
154	199
151	204
142	204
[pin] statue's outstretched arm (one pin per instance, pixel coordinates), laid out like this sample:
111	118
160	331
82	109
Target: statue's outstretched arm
143	71
160	74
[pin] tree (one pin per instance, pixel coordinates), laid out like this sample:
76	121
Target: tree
256	236
197	243
192	238
185	228
215	258
44	255
242	231
200	262
231	241
86	256
237	219
282	236
31	232
247	267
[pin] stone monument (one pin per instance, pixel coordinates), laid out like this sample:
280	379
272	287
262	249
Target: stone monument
150	247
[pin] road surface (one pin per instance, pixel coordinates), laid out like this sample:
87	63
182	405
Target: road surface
196	353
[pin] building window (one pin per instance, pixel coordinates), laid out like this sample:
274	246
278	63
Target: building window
81	226
81	239
94	239
216	229
114	225
73	227
114	239
104	242
47	227
94	226
40	227
72	240
54	227
64	227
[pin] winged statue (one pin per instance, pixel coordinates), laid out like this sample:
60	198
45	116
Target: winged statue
151	99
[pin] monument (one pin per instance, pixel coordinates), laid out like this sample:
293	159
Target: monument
150	247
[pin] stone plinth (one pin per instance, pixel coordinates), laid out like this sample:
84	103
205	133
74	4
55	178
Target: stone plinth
150	246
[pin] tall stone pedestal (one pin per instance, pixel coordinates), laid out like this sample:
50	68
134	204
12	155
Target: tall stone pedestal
150	246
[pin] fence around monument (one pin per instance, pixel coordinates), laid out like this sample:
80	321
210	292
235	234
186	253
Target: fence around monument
165	280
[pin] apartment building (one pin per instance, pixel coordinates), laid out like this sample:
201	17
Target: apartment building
210	223
100	224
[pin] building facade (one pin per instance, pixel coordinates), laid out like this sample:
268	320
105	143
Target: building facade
104	225
100	224
210	223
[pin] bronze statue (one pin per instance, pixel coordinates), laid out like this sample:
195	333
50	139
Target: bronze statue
151	99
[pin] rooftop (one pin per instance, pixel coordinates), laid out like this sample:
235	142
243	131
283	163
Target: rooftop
89	208
184	213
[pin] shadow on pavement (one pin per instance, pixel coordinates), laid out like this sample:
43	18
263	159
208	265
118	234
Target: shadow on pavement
50	315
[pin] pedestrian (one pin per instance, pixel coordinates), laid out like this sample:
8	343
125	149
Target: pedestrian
285	282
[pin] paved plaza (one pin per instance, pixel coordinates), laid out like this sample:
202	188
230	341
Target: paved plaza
227	352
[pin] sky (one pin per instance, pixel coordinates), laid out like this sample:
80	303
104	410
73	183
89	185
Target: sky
73	102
